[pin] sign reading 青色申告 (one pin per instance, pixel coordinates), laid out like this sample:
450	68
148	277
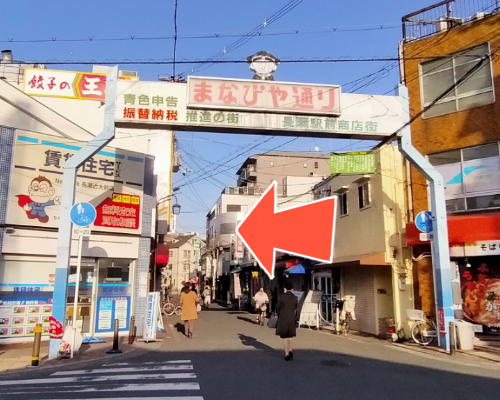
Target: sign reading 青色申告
361	162
66	84
249	106
112	181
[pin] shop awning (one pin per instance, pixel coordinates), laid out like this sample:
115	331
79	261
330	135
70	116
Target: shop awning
296	269
463	229
162	253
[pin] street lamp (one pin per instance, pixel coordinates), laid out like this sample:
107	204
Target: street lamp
176	208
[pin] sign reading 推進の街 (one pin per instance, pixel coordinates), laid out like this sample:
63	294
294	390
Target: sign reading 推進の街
112	181
66	84
244	106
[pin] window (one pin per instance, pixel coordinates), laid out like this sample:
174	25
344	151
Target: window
363	195
438	75
471	177
187	253
233	208
170	253
343	203
316	164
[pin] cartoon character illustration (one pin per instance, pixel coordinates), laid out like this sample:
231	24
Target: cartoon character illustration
40	195
263	64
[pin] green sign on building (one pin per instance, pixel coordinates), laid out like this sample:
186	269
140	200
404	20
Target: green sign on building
360	162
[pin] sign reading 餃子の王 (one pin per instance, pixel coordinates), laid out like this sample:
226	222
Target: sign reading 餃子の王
360	162
66	84
222	105
37	176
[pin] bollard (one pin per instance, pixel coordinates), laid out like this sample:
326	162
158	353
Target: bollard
131	331
35	356
452	337
115	349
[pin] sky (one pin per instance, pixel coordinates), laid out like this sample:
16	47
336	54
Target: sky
290	29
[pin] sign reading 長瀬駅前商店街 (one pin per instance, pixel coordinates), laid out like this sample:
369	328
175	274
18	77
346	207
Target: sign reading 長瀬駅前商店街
361	162
230	105
112	181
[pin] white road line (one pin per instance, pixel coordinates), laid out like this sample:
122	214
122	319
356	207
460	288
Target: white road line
149	363
139	387
146	398
81	379
120	370
355	340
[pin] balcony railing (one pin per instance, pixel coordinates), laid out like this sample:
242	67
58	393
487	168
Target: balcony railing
243	190
445	15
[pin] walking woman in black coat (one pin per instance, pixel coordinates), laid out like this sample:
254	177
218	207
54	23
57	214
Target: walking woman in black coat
286	328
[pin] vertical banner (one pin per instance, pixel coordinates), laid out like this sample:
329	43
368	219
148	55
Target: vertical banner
151	322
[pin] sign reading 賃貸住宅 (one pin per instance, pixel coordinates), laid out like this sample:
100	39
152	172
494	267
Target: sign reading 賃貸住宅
361	162
165	105
267	96
112	181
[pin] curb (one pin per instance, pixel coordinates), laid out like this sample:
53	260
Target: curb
100	355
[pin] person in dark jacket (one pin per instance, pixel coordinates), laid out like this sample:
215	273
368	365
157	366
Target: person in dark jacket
286	329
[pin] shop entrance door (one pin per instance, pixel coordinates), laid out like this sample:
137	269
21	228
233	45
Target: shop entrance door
84	310
322	281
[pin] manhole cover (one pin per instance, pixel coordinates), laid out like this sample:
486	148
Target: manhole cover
335	363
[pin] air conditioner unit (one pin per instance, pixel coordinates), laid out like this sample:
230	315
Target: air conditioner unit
478	15
443	23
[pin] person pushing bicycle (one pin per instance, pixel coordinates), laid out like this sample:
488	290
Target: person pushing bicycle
261	301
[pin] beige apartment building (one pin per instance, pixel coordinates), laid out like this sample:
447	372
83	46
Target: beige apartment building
259	170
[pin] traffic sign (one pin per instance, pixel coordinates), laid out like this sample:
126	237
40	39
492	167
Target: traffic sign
83	214
423	221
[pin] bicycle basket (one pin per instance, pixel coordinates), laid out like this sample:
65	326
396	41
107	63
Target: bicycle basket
415	315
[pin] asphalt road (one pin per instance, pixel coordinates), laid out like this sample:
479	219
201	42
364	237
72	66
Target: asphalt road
230	357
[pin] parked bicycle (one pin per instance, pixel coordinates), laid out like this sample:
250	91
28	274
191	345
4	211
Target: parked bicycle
423	329
169	308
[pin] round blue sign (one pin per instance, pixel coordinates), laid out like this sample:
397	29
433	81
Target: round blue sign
83	214
423	221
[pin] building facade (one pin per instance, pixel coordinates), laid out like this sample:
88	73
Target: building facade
460	136
39	133
370	258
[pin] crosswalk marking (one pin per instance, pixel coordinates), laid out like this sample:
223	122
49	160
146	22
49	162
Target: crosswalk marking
131	387
82	379
148	363
144	398
129	369
120	380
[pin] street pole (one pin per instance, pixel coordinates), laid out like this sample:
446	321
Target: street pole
63	257
441	264
77	289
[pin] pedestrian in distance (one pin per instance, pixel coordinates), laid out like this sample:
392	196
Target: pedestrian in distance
206	296
189	301
261	298
287	311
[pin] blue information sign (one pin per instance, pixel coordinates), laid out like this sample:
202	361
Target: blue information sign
423	221
83	214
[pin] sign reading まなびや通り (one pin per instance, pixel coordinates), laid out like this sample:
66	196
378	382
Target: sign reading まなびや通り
239	106
37	177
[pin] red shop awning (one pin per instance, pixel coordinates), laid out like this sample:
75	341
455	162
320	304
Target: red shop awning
463	229
162	252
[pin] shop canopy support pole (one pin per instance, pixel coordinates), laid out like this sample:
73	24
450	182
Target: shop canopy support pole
63	257
441	264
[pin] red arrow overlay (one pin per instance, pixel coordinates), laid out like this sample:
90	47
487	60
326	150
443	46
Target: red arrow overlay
306	230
